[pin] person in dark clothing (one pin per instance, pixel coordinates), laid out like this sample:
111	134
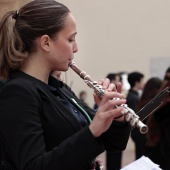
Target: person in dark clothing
158	136
1	83
136	81
43	124
150	90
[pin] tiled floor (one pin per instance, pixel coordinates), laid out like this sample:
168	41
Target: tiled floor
128	155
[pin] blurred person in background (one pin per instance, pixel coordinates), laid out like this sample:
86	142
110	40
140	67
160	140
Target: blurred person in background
150	90
158	136
83	96
2	82
136	81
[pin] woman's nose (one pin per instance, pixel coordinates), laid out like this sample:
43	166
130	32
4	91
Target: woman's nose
75	48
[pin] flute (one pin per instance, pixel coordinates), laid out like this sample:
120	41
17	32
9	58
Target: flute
128	113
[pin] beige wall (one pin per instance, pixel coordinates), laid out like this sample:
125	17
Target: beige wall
6	5
118	35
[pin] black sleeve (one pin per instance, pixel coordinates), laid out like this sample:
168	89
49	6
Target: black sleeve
116	137
21	129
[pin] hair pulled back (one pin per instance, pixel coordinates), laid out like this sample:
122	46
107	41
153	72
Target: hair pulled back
19	30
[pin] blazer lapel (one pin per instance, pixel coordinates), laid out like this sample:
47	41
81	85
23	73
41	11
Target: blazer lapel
62	109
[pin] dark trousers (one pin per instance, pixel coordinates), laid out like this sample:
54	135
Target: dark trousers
113	160
139	141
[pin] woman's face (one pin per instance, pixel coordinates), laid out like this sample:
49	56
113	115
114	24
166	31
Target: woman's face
64	46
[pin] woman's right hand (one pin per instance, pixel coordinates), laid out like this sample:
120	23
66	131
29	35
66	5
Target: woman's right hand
106	112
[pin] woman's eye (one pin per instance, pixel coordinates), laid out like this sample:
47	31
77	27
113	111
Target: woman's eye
71	40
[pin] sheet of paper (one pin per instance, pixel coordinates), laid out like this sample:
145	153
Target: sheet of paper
143	163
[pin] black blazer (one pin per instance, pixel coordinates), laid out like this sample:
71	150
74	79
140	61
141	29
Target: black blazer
40	133
162	149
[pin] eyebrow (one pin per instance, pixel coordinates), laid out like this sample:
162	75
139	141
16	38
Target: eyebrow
72	35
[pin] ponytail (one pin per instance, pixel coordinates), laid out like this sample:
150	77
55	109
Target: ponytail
11	56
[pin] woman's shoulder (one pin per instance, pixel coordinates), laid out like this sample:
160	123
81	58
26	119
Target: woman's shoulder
19	83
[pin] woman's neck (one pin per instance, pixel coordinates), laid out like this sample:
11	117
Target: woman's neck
35	67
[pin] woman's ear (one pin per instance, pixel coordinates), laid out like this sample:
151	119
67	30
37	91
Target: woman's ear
45	43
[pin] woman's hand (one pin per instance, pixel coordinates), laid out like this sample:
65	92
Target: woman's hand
107	109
